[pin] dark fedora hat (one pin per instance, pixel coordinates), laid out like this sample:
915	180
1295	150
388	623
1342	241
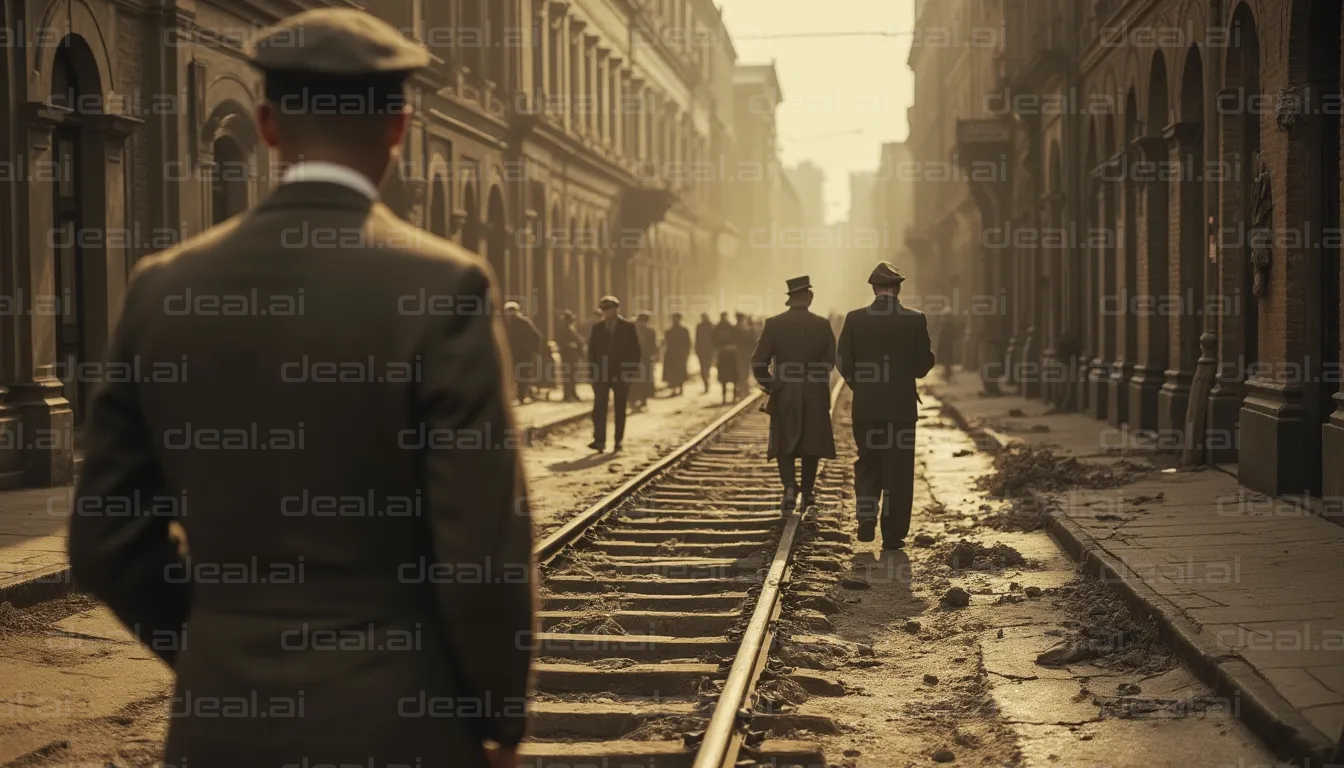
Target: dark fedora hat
799	284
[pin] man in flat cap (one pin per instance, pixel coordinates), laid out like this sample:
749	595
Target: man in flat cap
348	565
614	363
884	347
793	363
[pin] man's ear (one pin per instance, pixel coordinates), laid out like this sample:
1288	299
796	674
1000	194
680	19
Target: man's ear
397	127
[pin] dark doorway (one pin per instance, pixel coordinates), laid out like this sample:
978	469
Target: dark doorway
67	229
228	185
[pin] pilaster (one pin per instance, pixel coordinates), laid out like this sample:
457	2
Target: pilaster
1186	281
1148	299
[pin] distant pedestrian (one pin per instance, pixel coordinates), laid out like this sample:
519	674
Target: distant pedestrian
525	349
726	347
704	348
949	333
746	342
571	354
367	573
676	351
883	348
641	391
793	363
613	357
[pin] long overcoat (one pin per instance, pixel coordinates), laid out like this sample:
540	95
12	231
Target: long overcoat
316	443
793	362
676	350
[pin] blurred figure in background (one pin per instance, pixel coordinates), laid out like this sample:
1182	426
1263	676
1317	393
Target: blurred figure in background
949	333
525	348
746	342
641	391
571	354
704	348
676	351
725	344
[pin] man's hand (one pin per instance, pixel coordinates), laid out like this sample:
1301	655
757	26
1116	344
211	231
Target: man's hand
501	757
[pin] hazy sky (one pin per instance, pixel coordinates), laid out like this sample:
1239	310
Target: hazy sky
833	87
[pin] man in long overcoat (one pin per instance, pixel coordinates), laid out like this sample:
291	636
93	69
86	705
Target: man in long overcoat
642	390
793	362
727	356
884	347
571	354
704	348
676	351
316	441
525	345
613	358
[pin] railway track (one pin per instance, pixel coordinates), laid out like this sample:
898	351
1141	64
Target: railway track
659	605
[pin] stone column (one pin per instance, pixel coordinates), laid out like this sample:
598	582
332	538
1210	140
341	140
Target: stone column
1125	342
106	267
1187	246
46	431
1150	296
1103	264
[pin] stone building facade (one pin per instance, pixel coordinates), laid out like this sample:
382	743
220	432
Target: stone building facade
577	145
1172	248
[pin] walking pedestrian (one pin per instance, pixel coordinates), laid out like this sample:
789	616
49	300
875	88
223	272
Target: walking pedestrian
704	348
793	363
883	348
260	505
641	391
525	349
571	354
726	344
949	333
746	342
676	351
613	358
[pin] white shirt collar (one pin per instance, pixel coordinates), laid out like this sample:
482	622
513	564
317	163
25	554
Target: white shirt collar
332	173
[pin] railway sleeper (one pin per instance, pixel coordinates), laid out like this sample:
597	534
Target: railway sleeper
672	623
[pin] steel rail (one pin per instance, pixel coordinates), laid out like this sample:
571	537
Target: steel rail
722	738
576	526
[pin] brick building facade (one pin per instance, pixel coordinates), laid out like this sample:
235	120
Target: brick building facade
566	141
1174	204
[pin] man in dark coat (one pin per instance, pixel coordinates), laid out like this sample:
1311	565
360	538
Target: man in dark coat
884	347
641	391
704	348
793	362
676	351
613	358
746	342
336	403
571	354
524	349
726	340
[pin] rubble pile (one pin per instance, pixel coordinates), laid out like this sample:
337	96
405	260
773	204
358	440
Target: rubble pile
972	555
1023	469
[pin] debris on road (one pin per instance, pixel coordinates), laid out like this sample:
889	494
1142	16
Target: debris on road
957	597
1021	470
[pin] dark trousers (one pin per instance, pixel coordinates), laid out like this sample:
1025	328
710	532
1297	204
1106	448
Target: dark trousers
600	392
706	367
884	475
788	478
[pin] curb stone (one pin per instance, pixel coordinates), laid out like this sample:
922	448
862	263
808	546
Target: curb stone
1252	698
45	584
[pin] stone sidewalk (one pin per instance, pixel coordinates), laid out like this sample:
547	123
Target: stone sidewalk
1247	587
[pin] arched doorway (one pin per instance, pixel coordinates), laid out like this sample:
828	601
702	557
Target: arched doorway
471	227
1320	137
1239	331
1152	340
496	247
1186	142
228	184
71	86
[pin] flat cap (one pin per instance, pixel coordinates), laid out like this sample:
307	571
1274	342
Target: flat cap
608	301
512	306
335	41
886	273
